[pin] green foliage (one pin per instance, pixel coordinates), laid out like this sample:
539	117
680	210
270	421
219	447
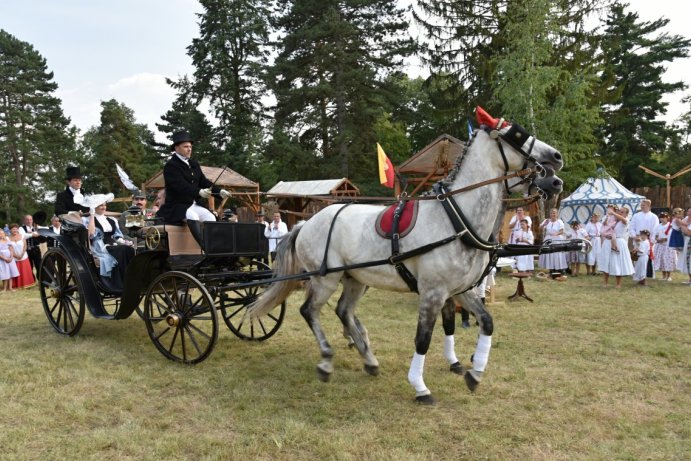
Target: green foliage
635	53
118	140
35	136
329	79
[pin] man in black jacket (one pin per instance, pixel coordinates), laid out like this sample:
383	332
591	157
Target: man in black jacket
64	201
185	185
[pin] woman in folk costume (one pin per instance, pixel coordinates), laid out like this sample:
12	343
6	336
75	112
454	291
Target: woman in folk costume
553	229
525	236
8	266
676	238
576	258
25	279
684	262
617	263
515	224
594	230
643	252
665	259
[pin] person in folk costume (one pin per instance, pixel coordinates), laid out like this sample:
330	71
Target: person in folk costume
8	266
576	258
515	223
684	261
525	263
593	229
644	220
25	279
617	263
553	229
64	201
186	185
30	233
665	257
643	251
56	228
676	238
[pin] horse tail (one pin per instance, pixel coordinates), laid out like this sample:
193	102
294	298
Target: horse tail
285	264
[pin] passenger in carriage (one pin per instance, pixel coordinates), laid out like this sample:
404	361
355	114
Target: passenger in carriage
108	244
186	185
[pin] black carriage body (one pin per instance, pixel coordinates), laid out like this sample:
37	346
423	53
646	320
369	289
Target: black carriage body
234	239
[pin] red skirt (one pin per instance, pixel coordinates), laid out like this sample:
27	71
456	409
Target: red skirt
26	275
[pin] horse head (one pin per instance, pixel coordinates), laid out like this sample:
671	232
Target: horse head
544	159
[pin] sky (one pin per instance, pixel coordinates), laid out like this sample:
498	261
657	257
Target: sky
125	49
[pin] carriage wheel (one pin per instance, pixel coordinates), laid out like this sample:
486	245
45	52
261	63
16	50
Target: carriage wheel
61	293
180	317
234	306
152	238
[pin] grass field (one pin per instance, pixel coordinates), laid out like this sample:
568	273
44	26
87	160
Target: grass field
583	373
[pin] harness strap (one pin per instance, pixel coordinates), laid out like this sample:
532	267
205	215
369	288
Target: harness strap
403	271
323	269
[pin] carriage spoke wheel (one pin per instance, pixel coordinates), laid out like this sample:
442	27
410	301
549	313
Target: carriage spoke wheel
234	306
61	294
180	317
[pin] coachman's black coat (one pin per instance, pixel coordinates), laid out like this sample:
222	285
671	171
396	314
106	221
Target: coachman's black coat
183	184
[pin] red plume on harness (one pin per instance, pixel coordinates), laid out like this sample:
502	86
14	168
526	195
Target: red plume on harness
483	118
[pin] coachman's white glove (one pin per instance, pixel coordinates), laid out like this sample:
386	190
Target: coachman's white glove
205	193
225	194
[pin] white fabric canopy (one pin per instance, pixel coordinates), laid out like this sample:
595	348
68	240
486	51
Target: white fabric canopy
594	195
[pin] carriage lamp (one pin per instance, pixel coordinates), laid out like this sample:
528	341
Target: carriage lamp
134	218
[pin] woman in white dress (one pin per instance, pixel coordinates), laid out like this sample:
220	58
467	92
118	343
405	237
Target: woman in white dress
617	263
553	229
664	257
593	229
524	236
684	262
515	224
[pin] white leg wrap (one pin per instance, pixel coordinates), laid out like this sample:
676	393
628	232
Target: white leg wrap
484	344
449	349
415	375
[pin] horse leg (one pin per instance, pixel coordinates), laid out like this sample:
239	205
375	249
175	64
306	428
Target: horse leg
471	301
317	294
352	328
448	316
430	305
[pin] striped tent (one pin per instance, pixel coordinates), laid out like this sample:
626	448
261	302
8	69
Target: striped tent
594	195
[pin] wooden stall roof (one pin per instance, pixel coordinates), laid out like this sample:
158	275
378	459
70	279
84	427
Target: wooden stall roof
228	178
431	163
331	187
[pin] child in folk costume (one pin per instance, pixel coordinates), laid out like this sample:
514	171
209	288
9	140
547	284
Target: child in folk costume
8	266
665	257
676	238
609	225
524	237
594	230
576	258
643	252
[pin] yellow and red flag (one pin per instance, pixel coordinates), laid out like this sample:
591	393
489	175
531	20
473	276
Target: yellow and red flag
386	172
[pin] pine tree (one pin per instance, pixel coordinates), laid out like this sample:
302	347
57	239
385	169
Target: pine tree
229	58
635	53
118	140
35	136
329	79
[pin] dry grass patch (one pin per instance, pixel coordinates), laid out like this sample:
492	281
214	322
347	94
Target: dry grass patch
582	373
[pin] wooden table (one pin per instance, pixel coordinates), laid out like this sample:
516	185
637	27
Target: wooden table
520	289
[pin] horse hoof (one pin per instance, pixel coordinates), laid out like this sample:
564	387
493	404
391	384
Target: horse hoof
425	399
457	368
372	370
323	375
471	380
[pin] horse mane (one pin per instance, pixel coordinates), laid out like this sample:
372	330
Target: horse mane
451	175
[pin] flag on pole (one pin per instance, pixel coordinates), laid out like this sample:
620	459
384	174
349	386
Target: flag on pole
386	172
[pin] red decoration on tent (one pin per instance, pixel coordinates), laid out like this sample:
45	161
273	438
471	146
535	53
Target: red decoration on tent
483	118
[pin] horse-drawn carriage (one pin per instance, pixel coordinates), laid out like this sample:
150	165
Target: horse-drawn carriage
177	283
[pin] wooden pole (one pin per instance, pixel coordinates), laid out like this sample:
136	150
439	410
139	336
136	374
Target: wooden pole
667	177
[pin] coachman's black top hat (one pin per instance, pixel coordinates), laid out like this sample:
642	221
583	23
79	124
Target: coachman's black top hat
181	136
72	172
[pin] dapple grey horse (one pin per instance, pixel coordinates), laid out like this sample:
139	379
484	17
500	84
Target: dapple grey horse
442	273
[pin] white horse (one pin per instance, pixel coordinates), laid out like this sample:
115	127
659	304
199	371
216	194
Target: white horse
442	273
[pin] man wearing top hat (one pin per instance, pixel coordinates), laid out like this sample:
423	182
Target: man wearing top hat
64	201
186	185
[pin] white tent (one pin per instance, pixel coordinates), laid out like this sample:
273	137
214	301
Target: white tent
594	195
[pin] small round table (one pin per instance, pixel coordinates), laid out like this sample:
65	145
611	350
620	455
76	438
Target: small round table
520	289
